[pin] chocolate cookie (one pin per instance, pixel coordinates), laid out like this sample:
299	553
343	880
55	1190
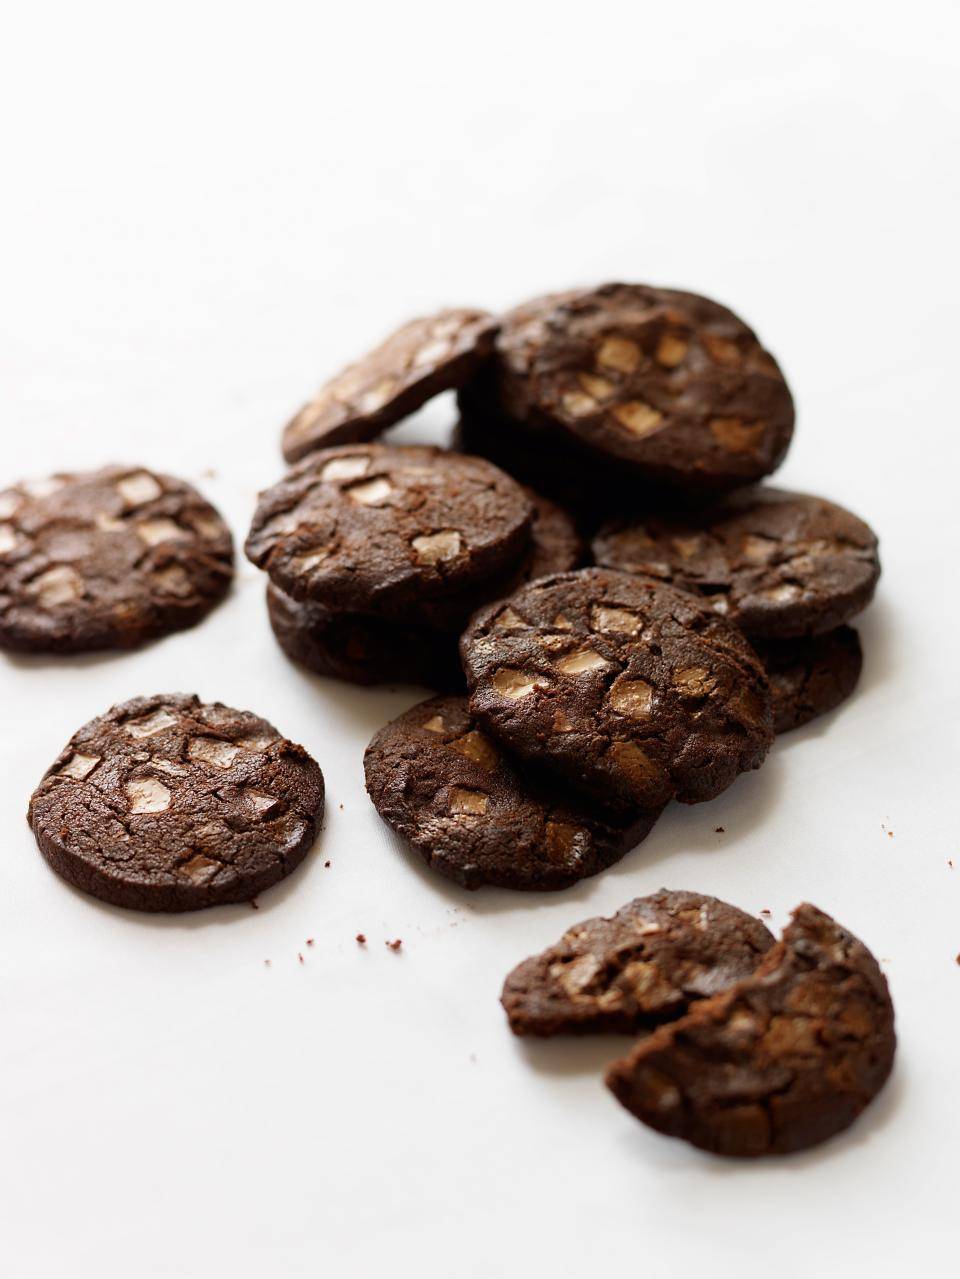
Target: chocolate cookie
167	804
632	692
672	385
781	1061
107	559
778	564
454	795
421	359
363	649
644	965
367	528
809	677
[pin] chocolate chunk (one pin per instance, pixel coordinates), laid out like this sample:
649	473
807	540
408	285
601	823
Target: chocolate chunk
168	804
426	356
780	1061
672	386
367	528
460	800
809	677
630	691
648	963
776	563
107	559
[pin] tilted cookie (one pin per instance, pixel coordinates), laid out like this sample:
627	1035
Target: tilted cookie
422	358
167	804
780	1061
107	559
809	677
453	794
670	384
631	691
368	528
644	965
776	563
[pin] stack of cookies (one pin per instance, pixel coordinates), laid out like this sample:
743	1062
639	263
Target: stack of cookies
378	556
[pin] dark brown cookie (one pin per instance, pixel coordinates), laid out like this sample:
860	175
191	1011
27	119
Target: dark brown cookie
363	649
168	804
426	356
781	1061
809	677
454	795
631	691
671	385
776	563
644	965
368	528
107	559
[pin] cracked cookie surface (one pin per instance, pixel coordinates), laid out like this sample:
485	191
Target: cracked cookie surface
778	564
107	559
781	1061
166	803
631	691
669	383
454	794
645	965
809	677
369	528
422	358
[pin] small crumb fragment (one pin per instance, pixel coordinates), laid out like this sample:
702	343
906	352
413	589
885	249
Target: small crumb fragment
719	830
889	834
764	912
361	939
267	963
950	862
341	807
309	941
395	945
958	959
300	956
253	904
326	865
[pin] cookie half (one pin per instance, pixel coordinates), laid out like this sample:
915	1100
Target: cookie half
644	965
630	691
781	1061
671	385
107	559
455	795
167	803
778	564
422	358
368	528
809	677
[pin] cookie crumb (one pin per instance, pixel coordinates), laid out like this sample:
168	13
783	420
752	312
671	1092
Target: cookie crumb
395	945
889	834
266	963
719	830
950	862
253	904
765	912
326	865
300	956
309	941
361	939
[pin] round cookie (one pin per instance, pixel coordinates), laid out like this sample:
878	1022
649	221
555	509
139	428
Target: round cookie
667	383
632	692
368	528
169	804
781	1061
450	791
776	563
809	677
422	358
644	965
362	649
107	559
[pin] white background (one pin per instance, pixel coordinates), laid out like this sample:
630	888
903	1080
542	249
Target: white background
206	210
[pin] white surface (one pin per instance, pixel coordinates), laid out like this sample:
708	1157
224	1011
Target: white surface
206	209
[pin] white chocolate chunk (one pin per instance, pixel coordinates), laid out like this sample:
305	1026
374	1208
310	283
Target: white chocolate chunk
370	493
377	396
59	585
153	532
260	802
147	795
199	869
173	581
472	803
638	418
436	548
211	751
619	620
345	468
513	684
619	353
633	697
43	488
79	766
435	725
8	538
10	503
586	659
139	488
151	724
510	620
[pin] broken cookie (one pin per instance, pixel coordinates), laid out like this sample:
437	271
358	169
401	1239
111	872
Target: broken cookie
644	965
169	804
781	1061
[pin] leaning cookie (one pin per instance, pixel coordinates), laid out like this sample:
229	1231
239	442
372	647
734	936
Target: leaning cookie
107	560
169	804
647	964
627	690
778	564
422	358
454	794
781	1061
809	677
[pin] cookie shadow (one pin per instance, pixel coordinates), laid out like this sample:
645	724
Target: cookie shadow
573	1054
